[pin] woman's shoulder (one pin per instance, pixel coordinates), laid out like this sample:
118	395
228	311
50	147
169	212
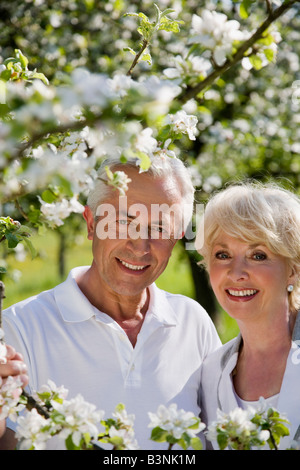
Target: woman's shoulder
219	355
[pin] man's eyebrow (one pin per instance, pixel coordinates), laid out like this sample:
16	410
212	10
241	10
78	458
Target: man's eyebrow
132	217
125	214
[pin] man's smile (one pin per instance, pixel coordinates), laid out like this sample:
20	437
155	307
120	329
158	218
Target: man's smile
132	267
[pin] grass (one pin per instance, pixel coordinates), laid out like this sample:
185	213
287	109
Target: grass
41	273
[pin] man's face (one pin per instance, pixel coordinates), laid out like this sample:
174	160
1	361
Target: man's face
132	240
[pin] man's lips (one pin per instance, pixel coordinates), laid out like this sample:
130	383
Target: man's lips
241	295
132	268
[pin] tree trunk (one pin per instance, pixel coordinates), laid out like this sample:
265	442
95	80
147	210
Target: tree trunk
203	291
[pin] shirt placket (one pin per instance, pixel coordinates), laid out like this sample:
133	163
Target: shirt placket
129	359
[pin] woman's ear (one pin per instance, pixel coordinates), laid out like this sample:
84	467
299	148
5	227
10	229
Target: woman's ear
90	223
294	275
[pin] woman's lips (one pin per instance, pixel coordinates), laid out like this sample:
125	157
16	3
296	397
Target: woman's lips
241	295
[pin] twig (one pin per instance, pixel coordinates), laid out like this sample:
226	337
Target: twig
240	53
137	56
32	403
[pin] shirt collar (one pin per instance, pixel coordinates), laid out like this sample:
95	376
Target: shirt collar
75	307
72	303
160	308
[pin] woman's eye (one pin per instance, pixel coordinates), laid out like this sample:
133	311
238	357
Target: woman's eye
259	256
221	255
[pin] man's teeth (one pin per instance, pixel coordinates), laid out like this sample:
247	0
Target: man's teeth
242	293
132	266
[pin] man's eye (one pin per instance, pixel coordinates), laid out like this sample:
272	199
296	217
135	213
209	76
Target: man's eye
122	221
158	229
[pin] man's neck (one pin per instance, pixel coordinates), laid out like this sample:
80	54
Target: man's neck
128	311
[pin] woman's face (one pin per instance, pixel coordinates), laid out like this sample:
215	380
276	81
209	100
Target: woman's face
249	281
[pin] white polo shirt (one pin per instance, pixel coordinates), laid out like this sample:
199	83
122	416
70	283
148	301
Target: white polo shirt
63	337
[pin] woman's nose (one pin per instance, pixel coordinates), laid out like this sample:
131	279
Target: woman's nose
238	269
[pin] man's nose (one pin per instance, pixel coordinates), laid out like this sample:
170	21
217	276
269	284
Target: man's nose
139	246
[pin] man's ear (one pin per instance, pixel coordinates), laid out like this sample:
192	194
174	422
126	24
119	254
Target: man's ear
90	223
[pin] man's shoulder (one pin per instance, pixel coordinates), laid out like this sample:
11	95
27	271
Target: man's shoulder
182	300
45	301
34	303
185	309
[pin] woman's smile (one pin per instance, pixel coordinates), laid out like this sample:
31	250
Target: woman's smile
241	295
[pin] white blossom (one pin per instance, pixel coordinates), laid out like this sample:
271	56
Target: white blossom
56	212
181	122
52	391
33	431
10	391
176	422
127	436
192	65
214	31
120	84
145	142
3	352
91	89
119	180
80	417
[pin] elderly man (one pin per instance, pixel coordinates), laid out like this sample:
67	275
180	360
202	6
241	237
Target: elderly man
108	332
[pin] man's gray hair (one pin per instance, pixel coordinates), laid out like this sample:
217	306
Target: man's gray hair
160	167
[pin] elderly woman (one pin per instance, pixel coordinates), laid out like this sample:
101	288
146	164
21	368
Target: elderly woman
251	250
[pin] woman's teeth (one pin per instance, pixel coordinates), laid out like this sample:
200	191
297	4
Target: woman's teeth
242	293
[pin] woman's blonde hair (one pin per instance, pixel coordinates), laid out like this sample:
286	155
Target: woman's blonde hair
256	213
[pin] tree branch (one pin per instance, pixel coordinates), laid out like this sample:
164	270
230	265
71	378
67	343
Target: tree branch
190	93
137	57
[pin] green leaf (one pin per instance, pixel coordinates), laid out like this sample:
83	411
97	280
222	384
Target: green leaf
222	440
256	62
269	53
40	76
22	58
12	240
167	11
70	444
5	75
169	25
158	434
145	161
129	49
31	248
244	9
120	407
147	58
196	443
49	196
